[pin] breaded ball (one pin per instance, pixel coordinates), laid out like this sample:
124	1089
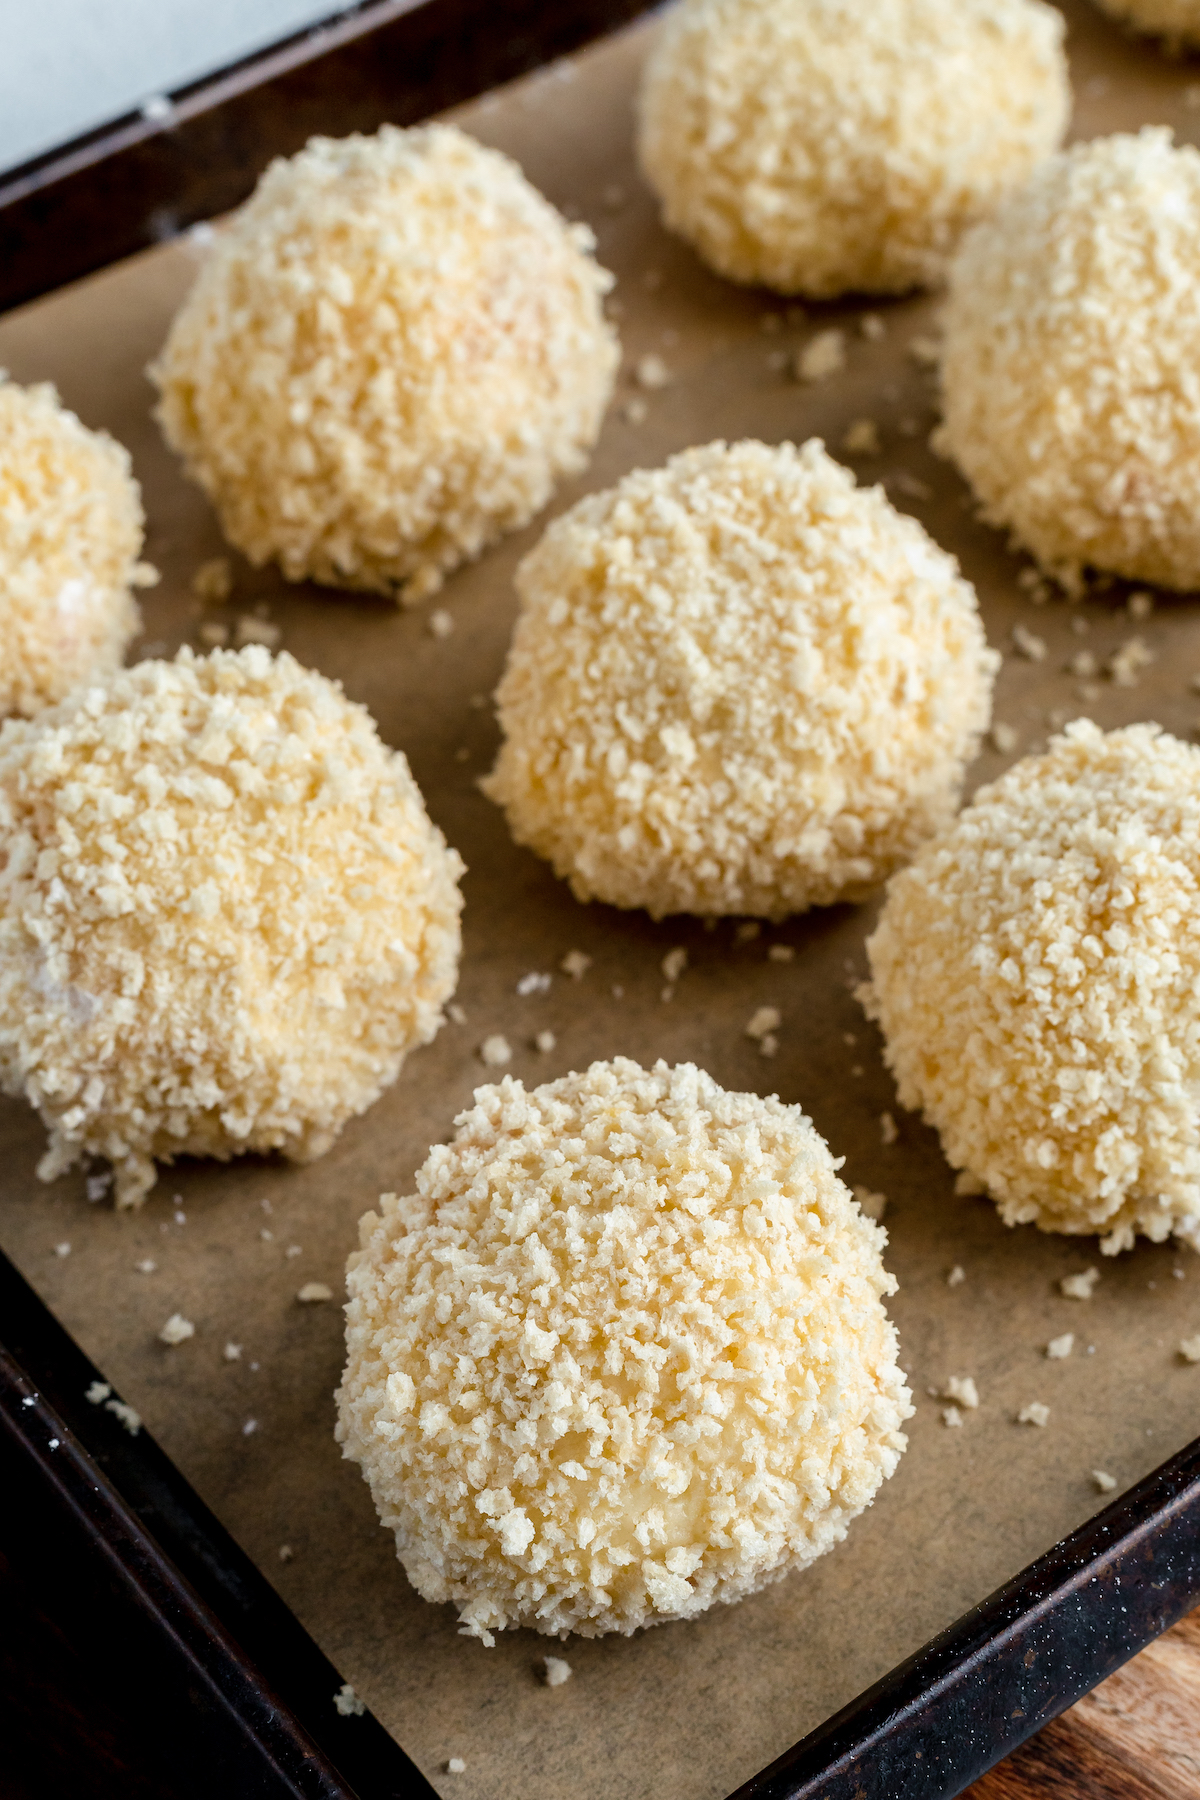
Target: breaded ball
393	353
70	537
1072	403
1176	20
738	684
224	915
824	146
1036	973
623	1354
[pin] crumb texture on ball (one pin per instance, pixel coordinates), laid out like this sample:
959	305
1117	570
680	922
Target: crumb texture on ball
70	537
1070	376
738	684
224	914
1176	20
394	351
623	1353
1036	974
824	146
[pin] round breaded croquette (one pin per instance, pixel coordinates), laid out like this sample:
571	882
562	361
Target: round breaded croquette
623	1354
1072	336
1036	975
70	537
1176	20
225	916
738	684
394	352
822	147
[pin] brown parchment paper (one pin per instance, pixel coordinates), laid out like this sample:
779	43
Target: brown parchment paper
684	1712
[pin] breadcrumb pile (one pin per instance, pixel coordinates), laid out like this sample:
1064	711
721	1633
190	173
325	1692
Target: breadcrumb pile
623	1354
224	915
824	146
1036	973
1176	20
393	353
738	684
70	537
1070	370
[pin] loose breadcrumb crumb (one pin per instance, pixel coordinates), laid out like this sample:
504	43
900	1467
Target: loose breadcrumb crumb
1069	333
146	1266
652	1428
956	1276
1061	1347
441	623
393	353
1034	1414
70	537
781	953
495	1051
545	1041
888	1130
1104	1481
738	684
177	1330
98	1391
576	964
674	963
862	439
125	1415
952	1417
652	372
456	1766
225	917
1189	1349
251	630
872	327
286	1553
1004	738
63	1249
818	149
348	1702
232	1352
766	1019
1079	1287
1028	643
873	1205
557	1670
213	581
1127	662
314	1291
962	1390
823	356
1035	973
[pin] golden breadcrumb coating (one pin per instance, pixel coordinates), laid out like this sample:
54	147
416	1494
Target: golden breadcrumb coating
1036	973
622	1354
1176	20
1072	339
70	536
738	684
393	353
224	915
823	146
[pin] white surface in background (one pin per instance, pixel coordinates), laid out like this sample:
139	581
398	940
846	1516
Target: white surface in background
68	65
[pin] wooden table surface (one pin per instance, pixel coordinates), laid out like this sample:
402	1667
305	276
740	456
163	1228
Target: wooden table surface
1135	1737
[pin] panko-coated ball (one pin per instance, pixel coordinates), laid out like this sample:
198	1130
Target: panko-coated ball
1036	973
70	537
825	146
393	353
1176	20
738	684
1071	365
224	914
623	1354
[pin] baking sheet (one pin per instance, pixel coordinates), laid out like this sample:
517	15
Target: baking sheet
682	1712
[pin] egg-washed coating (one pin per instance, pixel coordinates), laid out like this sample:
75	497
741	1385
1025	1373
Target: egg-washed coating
225	916
1036	973
395	350
623	1353
1071	364
1176	20
70	536
827	146
738	684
